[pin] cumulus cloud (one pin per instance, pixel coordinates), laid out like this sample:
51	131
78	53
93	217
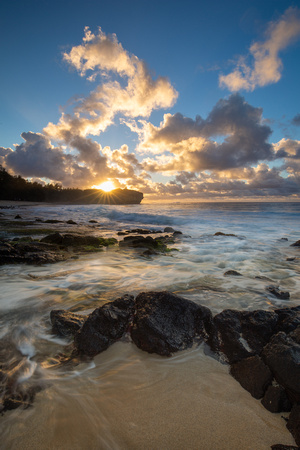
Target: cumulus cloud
127	88
287	148
266	66
233	135
259	182
37	157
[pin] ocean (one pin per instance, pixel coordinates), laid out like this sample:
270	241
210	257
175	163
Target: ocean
125	398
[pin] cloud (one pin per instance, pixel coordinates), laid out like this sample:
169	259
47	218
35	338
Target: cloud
260	182
266	67
37	157
287	148
233	135
127	87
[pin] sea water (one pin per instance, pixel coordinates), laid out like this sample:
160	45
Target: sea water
125	398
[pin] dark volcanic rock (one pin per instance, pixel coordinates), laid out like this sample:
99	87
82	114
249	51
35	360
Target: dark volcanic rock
241	334
282	356
296	244
66	323
28	252
157	244
219	233
277	293
253	375
276	400
104	326
293	424
283	447
71	240
288	319
233	273
165	323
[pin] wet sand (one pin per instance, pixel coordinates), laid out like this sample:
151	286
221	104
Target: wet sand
132	400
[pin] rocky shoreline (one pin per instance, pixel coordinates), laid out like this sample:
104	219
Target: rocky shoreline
261	347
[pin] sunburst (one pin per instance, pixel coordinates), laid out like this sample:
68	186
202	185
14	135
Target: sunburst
106	186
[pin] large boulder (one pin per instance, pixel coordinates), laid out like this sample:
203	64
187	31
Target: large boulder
165	323
276	400
293	424
282	356
253	375
288	319
241	334
104	326
66	323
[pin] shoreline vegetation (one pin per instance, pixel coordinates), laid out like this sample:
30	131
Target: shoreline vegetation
16	188
261	347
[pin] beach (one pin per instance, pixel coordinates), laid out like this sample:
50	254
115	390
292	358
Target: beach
125	398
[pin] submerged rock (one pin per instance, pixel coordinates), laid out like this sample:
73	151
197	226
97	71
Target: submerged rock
219	233
233	273
274	290
296	244
253	375
150	243
66	323
165	323
105	326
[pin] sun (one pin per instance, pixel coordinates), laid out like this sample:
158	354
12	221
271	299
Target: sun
106	186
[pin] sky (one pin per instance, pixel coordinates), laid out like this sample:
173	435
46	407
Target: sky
181	100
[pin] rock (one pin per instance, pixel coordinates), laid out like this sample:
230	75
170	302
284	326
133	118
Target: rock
165	323
283	447
66	323
276	400
288	319
71	222
233	273
93	221
104	326
282	356
21	252
18	216
296	244
76	240
169	230
293	424
277	293
253	375
219	233
157	244
241	334
53	221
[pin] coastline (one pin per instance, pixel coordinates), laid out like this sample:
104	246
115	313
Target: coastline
130	379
